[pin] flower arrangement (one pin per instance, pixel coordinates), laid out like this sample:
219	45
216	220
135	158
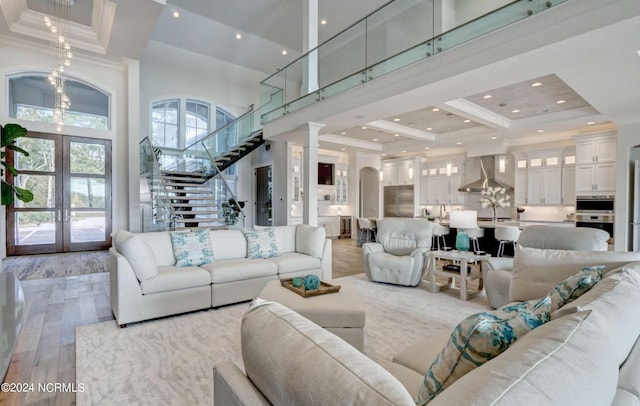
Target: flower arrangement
494	198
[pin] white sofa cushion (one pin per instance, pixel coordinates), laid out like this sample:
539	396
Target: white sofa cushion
138	253
175	278
285	237
313	366
261	244
228	244
536	271
191	248
231	270
160	243
310	240
295	262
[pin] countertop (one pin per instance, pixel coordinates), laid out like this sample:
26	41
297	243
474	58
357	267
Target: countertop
517	223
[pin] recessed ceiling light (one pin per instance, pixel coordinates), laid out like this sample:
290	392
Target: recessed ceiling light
536	84
343	133
515	111
364	127
467	121
590	122
396	135
561	101
487	96
426	147
540	131
375	139
384	154
323	22
435	109
404	151
238	36
342	149
494	138
459	143
396	119
284	52
175	14
429	128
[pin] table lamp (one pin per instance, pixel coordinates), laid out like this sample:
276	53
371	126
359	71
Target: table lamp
463	220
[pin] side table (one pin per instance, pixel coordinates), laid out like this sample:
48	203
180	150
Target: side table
469	269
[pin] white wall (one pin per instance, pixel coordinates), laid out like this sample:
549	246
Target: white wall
111	77
627	140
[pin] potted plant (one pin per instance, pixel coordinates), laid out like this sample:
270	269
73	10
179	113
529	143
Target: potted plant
9	134
231	210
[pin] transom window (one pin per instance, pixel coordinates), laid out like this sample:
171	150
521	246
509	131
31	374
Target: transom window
32	98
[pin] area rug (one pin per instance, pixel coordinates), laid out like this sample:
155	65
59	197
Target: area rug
170	361
57	265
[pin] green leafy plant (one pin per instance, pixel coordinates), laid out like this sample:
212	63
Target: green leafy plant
9	134
231	210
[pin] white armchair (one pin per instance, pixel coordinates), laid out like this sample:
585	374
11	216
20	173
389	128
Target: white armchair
497	272
399	255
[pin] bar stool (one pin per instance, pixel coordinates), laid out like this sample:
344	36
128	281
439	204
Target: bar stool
474	234
506	235
438	233
366	227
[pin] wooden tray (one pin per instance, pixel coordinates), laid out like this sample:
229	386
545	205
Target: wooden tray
323	289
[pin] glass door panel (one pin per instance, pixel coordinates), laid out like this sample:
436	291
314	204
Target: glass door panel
70	178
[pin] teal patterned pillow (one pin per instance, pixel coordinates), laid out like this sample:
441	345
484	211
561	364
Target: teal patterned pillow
191	248
479	338
261	243
574	286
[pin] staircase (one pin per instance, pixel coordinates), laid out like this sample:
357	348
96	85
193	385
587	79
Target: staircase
190	196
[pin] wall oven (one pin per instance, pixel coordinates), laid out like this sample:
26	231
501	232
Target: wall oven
596	212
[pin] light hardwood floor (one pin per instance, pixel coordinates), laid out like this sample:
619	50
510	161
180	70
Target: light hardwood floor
45	352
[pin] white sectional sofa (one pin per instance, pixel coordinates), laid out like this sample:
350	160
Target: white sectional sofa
587	354
146	283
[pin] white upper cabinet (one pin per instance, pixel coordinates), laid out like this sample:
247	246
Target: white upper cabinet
544	178
398	173
595	165
439	184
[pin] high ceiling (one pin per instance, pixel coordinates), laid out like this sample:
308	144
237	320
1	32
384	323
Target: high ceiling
600	89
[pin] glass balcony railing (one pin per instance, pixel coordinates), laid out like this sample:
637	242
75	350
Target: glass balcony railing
154	197
396	35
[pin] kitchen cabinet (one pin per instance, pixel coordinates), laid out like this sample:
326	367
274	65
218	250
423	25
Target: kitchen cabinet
520	187
439	188
595	165
544	184
342	184
568	185
398	173
331	226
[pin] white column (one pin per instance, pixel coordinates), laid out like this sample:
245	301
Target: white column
309	42
310	172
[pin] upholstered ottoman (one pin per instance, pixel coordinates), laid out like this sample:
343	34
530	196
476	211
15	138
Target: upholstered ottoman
340	313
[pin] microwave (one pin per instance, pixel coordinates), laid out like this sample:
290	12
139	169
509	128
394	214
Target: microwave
595	204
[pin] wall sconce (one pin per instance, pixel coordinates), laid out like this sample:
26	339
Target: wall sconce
448	168
381	174
296	168
411	173
502	166
339	211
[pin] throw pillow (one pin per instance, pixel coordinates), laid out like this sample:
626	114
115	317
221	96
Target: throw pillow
261	243
479	338
138	253
574	286
191	248
310	240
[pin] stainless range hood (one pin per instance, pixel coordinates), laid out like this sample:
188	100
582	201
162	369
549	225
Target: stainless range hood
487	177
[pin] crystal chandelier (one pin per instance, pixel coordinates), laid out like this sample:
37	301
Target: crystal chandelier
57	23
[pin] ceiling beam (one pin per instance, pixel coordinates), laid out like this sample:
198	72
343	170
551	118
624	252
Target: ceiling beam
403	130
472	111
350	142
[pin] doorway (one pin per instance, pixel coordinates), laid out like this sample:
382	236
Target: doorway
264	192
70	178
369	193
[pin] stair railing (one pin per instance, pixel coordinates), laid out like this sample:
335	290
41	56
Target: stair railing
224	181
158	190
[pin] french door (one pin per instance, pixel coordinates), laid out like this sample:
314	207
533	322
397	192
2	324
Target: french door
70	178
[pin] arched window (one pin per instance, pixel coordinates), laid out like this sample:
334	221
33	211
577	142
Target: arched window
32	98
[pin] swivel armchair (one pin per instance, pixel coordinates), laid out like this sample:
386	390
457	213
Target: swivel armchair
400	254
